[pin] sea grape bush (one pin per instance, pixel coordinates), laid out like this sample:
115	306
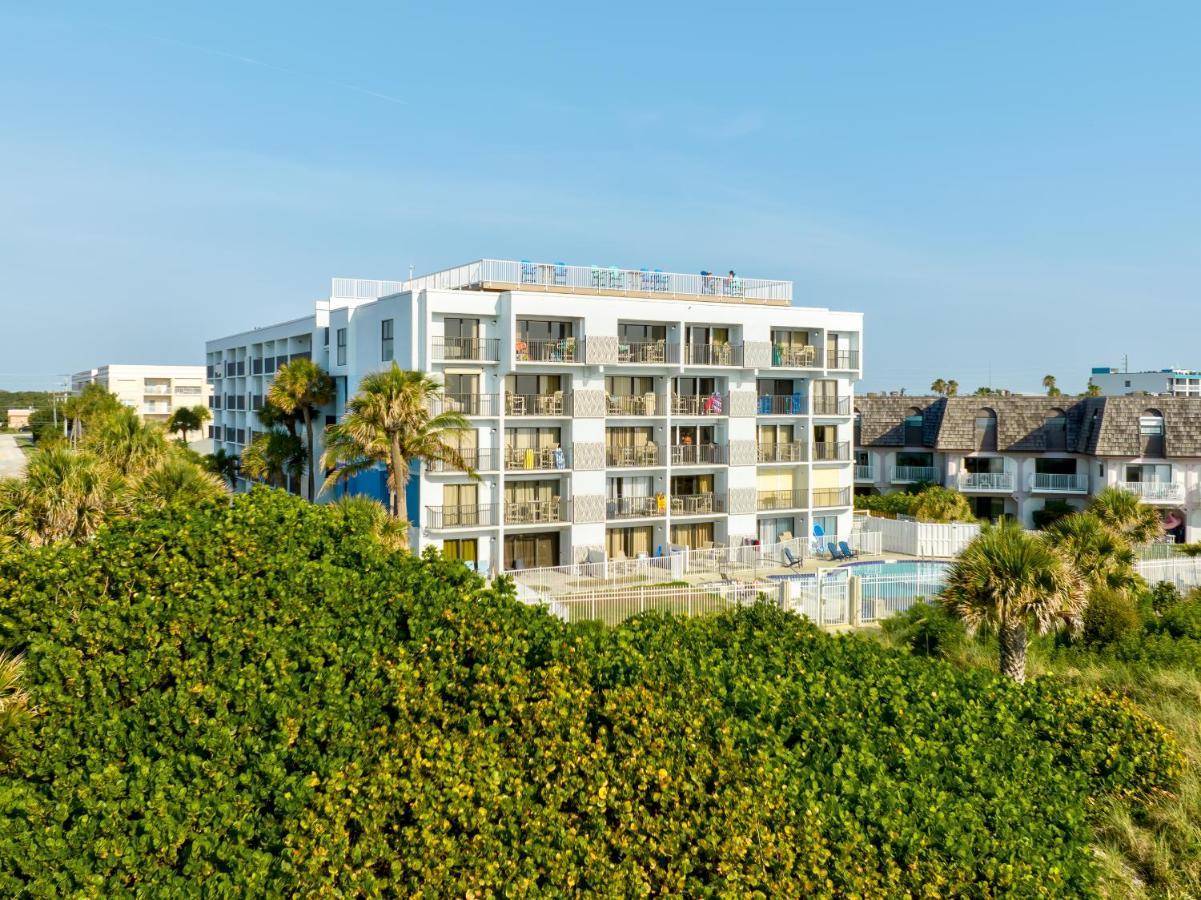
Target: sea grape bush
258	699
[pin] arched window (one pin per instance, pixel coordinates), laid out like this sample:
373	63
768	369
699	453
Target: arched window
1055	430
1150	433
986	429
913	427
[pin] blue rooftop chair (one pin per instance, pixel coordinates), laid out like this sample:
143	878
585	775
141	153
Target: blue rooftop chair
834	552
847	552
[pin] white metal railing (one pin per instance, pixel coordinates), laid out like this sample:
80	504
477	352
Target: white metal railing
615	606
907	474
1046	481
785	451
635	507
1155	491
865	473
883	594
1182	571
986	481
364	288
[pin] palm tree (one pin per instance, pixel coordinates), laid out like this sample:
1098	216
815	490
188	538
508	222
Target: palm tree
272	457
179	481
223	463
1102	556
92	403
939	386
131	447
952	388
1127	515
300	388
271	416
64	495
187	419
389	421
1013	581
1093	390
1049	384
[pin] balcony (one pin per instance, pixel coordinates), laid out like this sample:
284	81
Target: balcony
453	349
476	460
1046	483
832	451
467	404
647	352
556	404
713	354
502	274
698	404
528	459
842	359
697	504
535	512
156	390
643	405
771	500
633	457
781	405
634	507
561	350
1155	491
827	497
865	472
914	475
473	516
831	406
698	455
790	357
986	482
783	452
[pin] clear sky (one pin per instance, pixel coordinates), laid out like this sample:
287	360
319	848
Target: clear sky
1009	188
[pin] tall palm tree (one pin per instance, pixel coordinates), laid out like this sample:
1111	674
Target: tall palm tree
92	403
300	388
1013	581
182	421
939	386
272	457
224	464
1102	556
126	443
1127	515
389	421
179	481
952	388
64	495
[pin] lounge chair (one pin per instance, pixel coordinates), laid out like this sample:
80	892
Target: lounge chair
847	552
835	553
790	561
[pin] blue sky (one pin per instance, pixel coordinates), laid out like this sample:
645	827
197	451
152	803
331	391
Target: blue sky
1012	190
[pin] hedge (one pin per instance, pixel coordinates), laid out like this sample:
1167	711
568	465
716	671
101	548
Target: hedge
256	699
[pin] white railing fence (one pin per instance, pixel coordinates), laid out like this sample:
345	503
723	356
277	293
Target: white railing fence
921	539
614	606
1182	571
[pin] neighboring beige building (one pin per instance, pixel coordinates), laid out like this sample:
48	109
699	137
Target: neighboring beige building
19	418
154	391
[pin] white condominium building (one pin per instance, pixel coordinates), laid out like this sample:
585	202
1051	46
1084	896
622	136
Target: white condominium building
1172	382
153	391
613	412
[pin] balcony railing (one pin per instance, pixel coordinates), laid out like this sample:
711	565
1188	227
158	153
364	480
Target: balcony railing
534	512
519	459
914	474
556	404
698	454
783	452
825	497
473	516
641	405
561	350
865	473
476	459
647	352
831	406
697	504
713	354
842	359
986	481
467	404
794	499
623	457
1075	483
786	357
480	349
1155	491
634	507
698	404
781	405
832	451
156	389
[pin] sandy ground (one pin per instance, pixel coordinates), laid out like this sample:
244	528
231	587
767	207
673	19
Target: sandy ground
12	460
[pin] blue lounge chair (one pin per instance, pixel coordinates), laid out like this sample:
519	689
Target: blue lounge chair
835	554
790	561
847	552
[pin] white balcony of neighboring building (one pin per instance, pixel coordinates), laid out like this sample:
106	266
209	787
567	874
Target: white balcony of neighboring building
986	482
1047	483
914	474
1155	491
865	472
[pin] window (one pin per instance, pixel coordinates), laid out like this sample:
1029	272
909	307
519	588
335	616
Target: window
325	336
341	357
465	550
1150	425
543	330
986	430
385	340
629	543
1055	430
913	427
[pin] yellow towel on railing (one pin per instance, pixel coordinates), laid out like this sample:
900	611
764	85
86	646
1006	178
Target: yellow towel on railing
529	458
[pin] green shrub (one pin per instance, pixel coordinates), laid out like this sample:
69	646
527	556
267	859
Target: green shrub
256	699
1110	614
1182	620
927	629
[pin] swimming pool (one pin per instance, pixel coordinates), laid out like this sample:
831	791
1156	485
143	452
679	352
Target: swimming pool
897	567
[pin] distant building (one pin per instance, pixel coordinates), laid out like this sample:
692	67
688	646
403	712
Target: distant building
1165	382
153	391
18	419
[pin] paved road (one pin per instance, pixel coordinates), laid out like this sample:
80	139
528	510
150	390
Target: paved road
12	460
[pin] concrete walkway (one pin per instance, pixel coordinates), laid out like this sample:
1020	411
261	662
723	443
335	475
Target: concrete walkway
12	460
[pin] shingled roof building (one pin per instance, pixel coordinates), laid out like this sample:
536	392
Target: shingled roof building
1013	455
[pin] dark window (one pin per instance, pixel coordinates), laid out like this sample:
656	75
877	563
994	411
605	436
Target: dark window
385	340
341	347
986	430
1055	430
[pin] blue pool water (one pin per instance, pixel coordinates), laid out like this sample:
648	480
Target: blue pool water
898	567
